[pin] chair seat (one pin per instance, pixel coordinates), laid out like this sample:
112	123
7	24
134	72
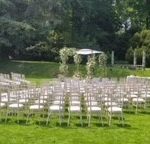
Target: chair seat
132	96
4	84
4	94
58	97
145	96
91	98
4	100
55	108
15	105
82	90
106	99
56	102
92	103
44	97
139	100
114	109
75	108
23	100
40	101
36	107
2	104
75	94
75	98
95	109
135	93
107	104
75	102
124	100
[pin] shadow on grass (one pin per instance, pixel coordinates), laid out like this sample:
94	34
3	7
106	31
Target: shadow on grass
129	112
63	124
145	112
127	126
101	125
42	123
21	122
4	121
83	125
140	111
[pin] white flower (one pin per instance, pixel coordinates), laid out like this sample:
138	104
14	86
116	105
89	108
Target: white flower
102	59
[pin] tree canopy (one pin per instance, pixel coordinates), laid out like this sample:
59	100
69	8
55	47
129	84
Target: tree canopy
38	29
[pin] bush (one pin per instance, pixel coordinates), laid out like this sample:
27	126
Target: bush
140	42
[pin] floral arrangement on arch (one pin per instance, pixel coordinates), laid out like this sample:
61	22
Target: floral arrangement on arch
91	64
102	59
103	62
65	53
77	61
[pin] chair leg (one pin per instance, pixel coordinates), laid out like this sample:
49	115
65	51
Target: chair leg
144	105
68	119
40	118
17	112
136	110
101	118
136	107
48	118
60	119
89	120
81	119
122	119
28	117
0	116
109	123
6	116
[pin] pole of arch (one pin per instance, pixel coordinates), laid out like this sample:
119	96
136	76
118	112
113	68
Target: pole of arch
112	58
134	59
144	59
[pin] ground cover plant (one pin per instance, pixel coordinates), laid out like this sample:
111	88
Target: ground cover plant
47	70
136	131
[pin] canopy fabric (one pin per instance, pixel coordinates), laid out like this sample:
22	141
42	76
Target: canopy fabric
88	52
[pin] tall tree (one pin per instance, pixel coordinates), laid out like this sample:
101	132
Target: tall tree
137	10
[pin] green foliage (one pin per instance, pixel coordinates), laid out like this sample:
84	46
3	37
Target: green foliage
57	23
137	10
48	70
63	69
136	131
129	55
39	51
103	59
15	36
65	53
92	24
77	59
91	65
140	42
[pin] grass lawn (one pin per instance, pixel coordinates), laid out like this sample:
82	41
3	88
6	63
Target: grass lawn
136	130
43	71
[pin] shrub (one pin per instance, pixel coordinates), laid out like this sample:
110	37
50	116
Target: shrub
140	42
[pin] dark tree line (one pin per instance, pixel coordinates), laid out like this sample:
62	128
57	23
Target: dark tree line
38	29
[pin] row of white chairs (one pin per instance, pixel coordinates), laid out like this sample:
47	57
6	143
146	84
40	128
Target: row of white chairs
13	79
102	98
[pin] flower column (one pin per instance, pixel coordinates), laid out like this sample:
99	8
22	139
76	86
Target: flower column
91	66
64	58
103	62
65	53
77	60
